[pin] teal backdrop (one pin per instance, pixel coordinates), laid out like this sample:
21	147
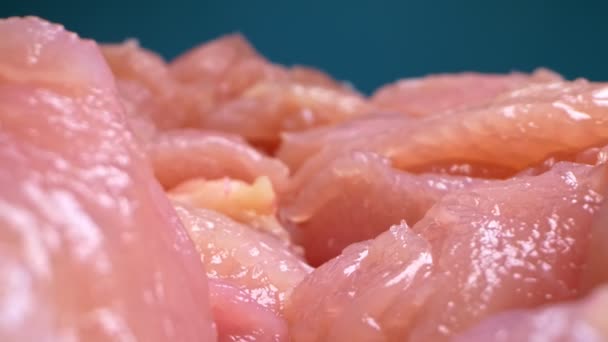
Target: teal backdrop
366	42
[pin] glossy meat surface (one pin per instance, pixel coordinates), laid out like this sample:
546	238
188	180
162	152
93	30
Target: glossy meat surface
241	318
356	198
436	94
259	100
181	155
584	320
513	244
518	126
90	247
258	264
152	98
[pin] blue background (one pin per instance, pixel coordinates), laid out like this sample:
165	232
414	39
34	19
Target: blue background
368	43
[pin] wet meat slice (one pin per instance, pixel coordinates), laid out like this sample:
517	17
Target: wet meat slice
130	62
209	62
90	247
517	130
362	295
356	198
268	109
583	320
226	85
181	155
218	71
239	200
256	263
252	204
240	318
298	147
596	272
247	95
152	98
509	244
441	93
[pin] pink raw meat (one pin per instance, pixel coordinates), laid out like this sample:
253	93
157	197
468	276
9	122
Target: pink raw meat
180	155
585	320
311	76
90	247
147	89
519	127
226	85
240	318
508	244
267	109
231	88
209	62
298	147
596	272
218	71
356	198
449	92
590	156
256	263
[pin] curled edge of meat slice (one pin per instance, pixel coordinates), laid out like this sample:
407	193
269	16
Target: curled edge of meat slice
181	155
439	93
210	60
517	126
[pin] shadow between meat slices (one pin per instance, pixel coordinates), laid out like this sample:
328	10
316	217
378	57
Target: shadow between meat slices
517	243
90	248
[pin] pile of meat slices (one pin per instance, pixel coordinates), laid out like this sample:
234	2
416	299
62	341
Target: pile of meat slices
223	197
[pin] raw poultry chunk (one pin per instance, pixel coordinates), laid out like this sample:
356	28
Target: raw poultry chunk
356	198
518	243
515	131
258	264
181	155
444	93
585	320
90	247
